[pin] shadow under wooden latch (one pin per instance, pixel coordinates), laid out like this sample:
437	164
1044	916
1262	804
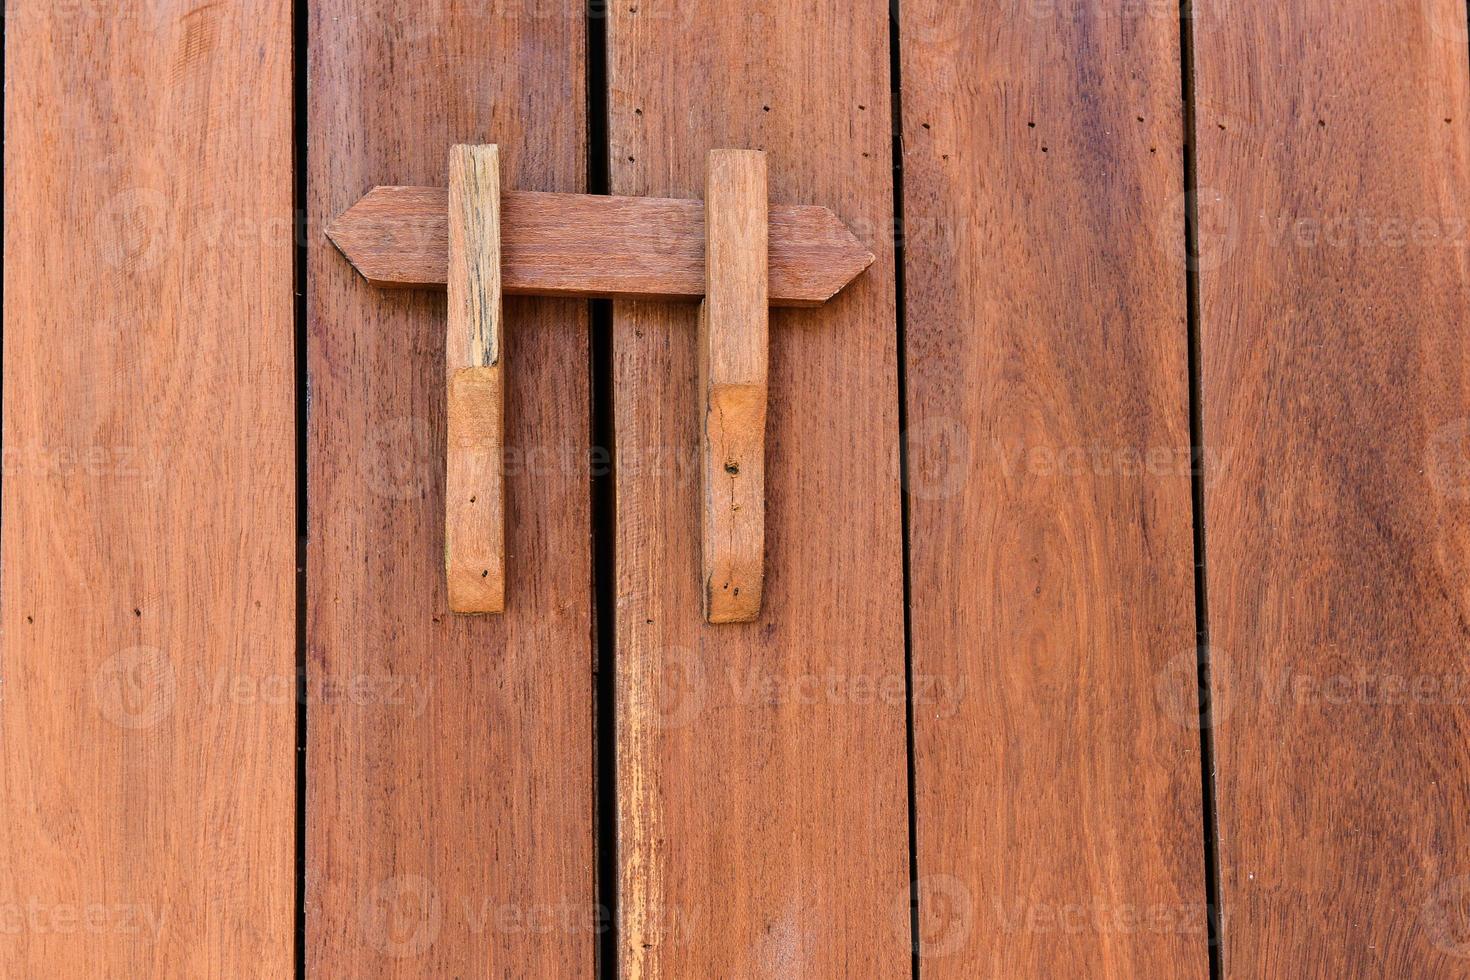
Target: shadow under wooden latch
734	252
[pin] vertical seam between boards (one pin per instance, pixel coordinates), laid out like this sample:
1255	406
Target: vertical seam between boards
300	107
1209	813
602	487
895	70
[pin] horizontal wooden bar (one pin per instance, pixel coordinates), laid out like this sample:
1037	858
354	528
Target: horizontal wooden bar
592	245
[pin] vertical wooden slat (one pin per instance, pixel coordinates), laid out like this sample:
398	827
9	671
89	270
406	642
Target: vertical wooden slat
1334	162
761	775
449	762
734	349
1056	739
474	481
147	670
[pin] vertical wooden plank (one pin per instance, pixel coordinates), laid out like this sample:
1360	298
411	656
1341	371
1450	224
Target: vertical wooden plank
474	481
1334	157
147	671
449	787
734	347
1056	741
761	771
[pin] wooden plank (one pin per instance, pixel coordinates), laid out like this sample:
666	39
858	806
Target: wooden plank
733	350
474	482
147	668
1334	290
631	247
450	804
1056	742
761	767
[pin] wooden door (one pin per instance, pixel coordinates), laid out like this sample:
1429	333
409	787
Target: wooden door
1116	525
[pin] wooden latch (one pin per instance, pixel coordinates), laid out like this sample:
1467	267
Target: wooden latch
734	252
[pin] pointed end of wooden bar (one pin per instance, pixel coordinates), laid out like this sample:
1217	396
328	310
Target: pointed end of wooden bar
814	255
396	237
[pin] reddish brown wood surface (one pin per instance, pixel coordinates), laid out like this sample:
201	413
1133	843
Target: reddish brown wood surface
584	245
761	776
449	786
1334	158
1056	744
147	668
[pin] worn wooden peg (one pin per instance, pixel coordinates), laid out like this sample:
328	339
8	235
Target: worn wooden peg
474	486
733	350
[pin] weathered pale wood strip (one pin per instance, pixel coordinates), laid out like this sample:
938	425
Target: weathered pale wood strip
733	352
474	483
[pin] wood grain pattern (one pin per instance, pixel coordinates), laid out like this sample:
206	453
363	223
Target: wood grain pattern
147	667
1334	157
475	315
734	339
474	482
450	806
1048	446
591	245
761	767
